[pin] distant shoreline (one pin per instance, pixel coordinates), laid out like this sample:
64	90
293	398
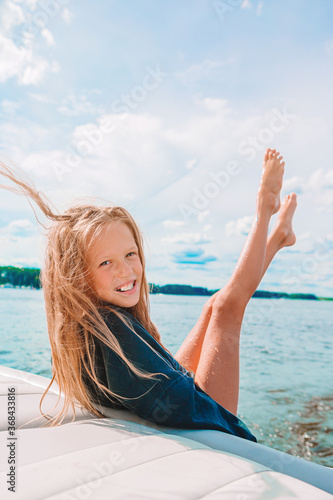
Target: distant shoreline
259	294
29	278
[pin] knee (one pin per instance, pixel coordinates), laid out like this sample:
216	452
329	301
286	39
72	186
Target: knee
229	304
209	304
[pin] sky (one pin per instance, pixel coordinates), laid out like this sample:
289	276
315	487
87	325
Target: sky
166	108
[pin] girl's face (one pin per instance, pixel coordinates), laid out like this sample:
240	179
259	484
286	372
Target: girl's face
114	263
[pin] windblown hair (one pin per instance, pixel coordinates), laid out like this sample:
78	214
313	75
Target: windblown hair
72	308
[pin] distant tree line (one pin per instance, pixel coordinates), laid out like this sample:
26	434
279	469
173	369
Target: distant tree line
198	290
20	276
282	295
180	289
25	276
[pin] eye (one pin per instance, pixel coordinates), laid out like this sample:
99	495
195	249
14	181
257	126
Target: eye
131	253
105	262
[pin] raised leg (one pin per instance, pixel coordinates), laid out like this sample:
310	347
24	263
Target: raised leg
212	347
189	352
281	235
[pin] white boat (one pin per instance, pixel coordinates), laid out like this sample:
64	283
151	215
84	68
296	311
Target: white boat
125	457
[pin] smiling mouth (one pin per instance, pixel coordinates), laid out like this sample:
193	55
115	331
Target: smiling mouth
126	288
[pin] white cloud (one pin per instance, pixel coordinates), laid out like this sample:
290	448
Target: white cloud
77	105
240	227
42	98
11	15
129	165
11	250
216	105
202	135
246	4
12	59
186	238
20	47
202	215
206	70
295	184
259	8
22	63
17	235
9	107
20	226
321	180
173	224
39	163
20	262
30	3
67	15
48	36
36	72
23	139
326	201
191	163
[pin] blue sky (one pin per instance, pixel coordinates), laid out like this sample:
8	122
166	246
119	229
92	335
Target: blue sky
166	108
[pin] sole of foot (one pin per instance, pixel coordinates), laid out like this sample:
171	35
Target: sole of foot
271	179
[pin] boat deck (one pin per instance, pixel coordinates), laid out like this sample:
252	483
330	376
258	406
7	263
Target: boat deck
124	457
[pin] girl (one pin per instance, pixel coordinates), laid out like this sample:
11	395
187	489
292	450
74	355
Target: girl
105	349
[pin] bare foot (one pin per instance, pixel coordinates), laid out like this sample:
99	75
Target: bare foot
283	227
271	180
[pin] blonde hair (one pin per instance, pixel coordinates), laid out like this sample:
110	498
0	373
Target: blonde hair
72	308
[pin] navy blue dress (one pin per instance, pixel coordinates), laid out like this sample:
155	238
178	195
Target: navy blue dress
172	399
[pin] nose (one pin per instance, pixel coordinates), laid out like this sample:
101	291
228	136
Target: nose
124	269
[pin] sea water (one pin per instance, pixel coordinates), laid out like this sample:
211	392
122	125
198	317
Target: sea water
286	369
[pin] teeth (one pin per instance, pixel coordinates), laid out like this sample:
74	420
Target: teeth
125	289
